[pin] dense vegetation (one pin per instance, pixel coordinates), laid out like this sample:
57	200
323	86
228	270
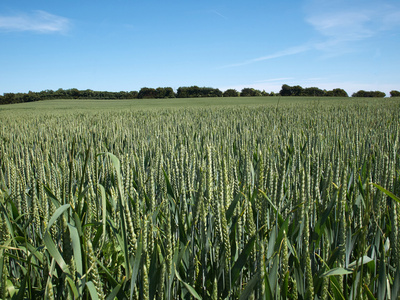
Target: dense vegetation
263	202
297	90
182	92
372	94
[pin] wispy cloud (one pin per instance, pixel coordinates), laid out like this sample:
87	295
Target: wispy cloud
38	21
340	26
343	23
286	52
219	14
345	26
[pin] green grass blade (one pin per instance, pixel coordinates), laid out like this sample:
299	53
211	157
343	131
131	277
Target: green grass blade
73	287
136	265
114	292
52	268
51	247
92	290
170	190
337	271
396	285
369	293
76	246
365	259
382	277
21	291
248	290
191	290
59	211
117	166
104	210
242	259
390	194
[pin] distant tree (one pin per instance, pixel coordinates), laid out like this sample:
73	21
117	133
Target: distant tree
246	92
257	93
394	93
195	91
209	92
374	94
160	93
297	90
182	92
379	94
31	97
147	93
189	92
313	92
217	93
75	93
250	92
231	93
169	92
9	98
264	93
133	94
360	93
288	90
339	93
44	95
88	94
59	94
121	95
165	92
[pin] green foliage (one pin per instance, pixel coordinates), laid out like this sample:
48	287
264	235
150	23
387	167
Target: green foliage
297	90
373	94
197	92
291	90
394	93
165	92
10	98
231	93
273	200
159	93
148	93
250	92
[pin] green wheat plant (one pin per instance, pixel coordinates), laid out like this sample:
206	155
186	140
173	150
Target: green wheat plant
295	201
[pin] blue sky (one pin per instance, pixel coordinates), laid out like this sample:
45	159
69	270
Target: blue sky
125	45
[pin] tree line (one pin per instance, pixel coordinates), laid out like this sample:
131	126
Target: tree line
297	90
182	92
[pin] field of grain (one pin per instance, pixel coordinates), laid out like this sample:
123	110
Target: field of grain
267	199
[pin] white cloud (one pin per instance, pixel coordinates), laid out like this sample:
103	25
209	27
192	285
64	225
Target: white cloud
344	26
353	21
38	21
340	25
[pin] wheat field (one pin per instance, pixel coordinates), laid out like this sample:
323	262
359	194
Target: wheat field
280	201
